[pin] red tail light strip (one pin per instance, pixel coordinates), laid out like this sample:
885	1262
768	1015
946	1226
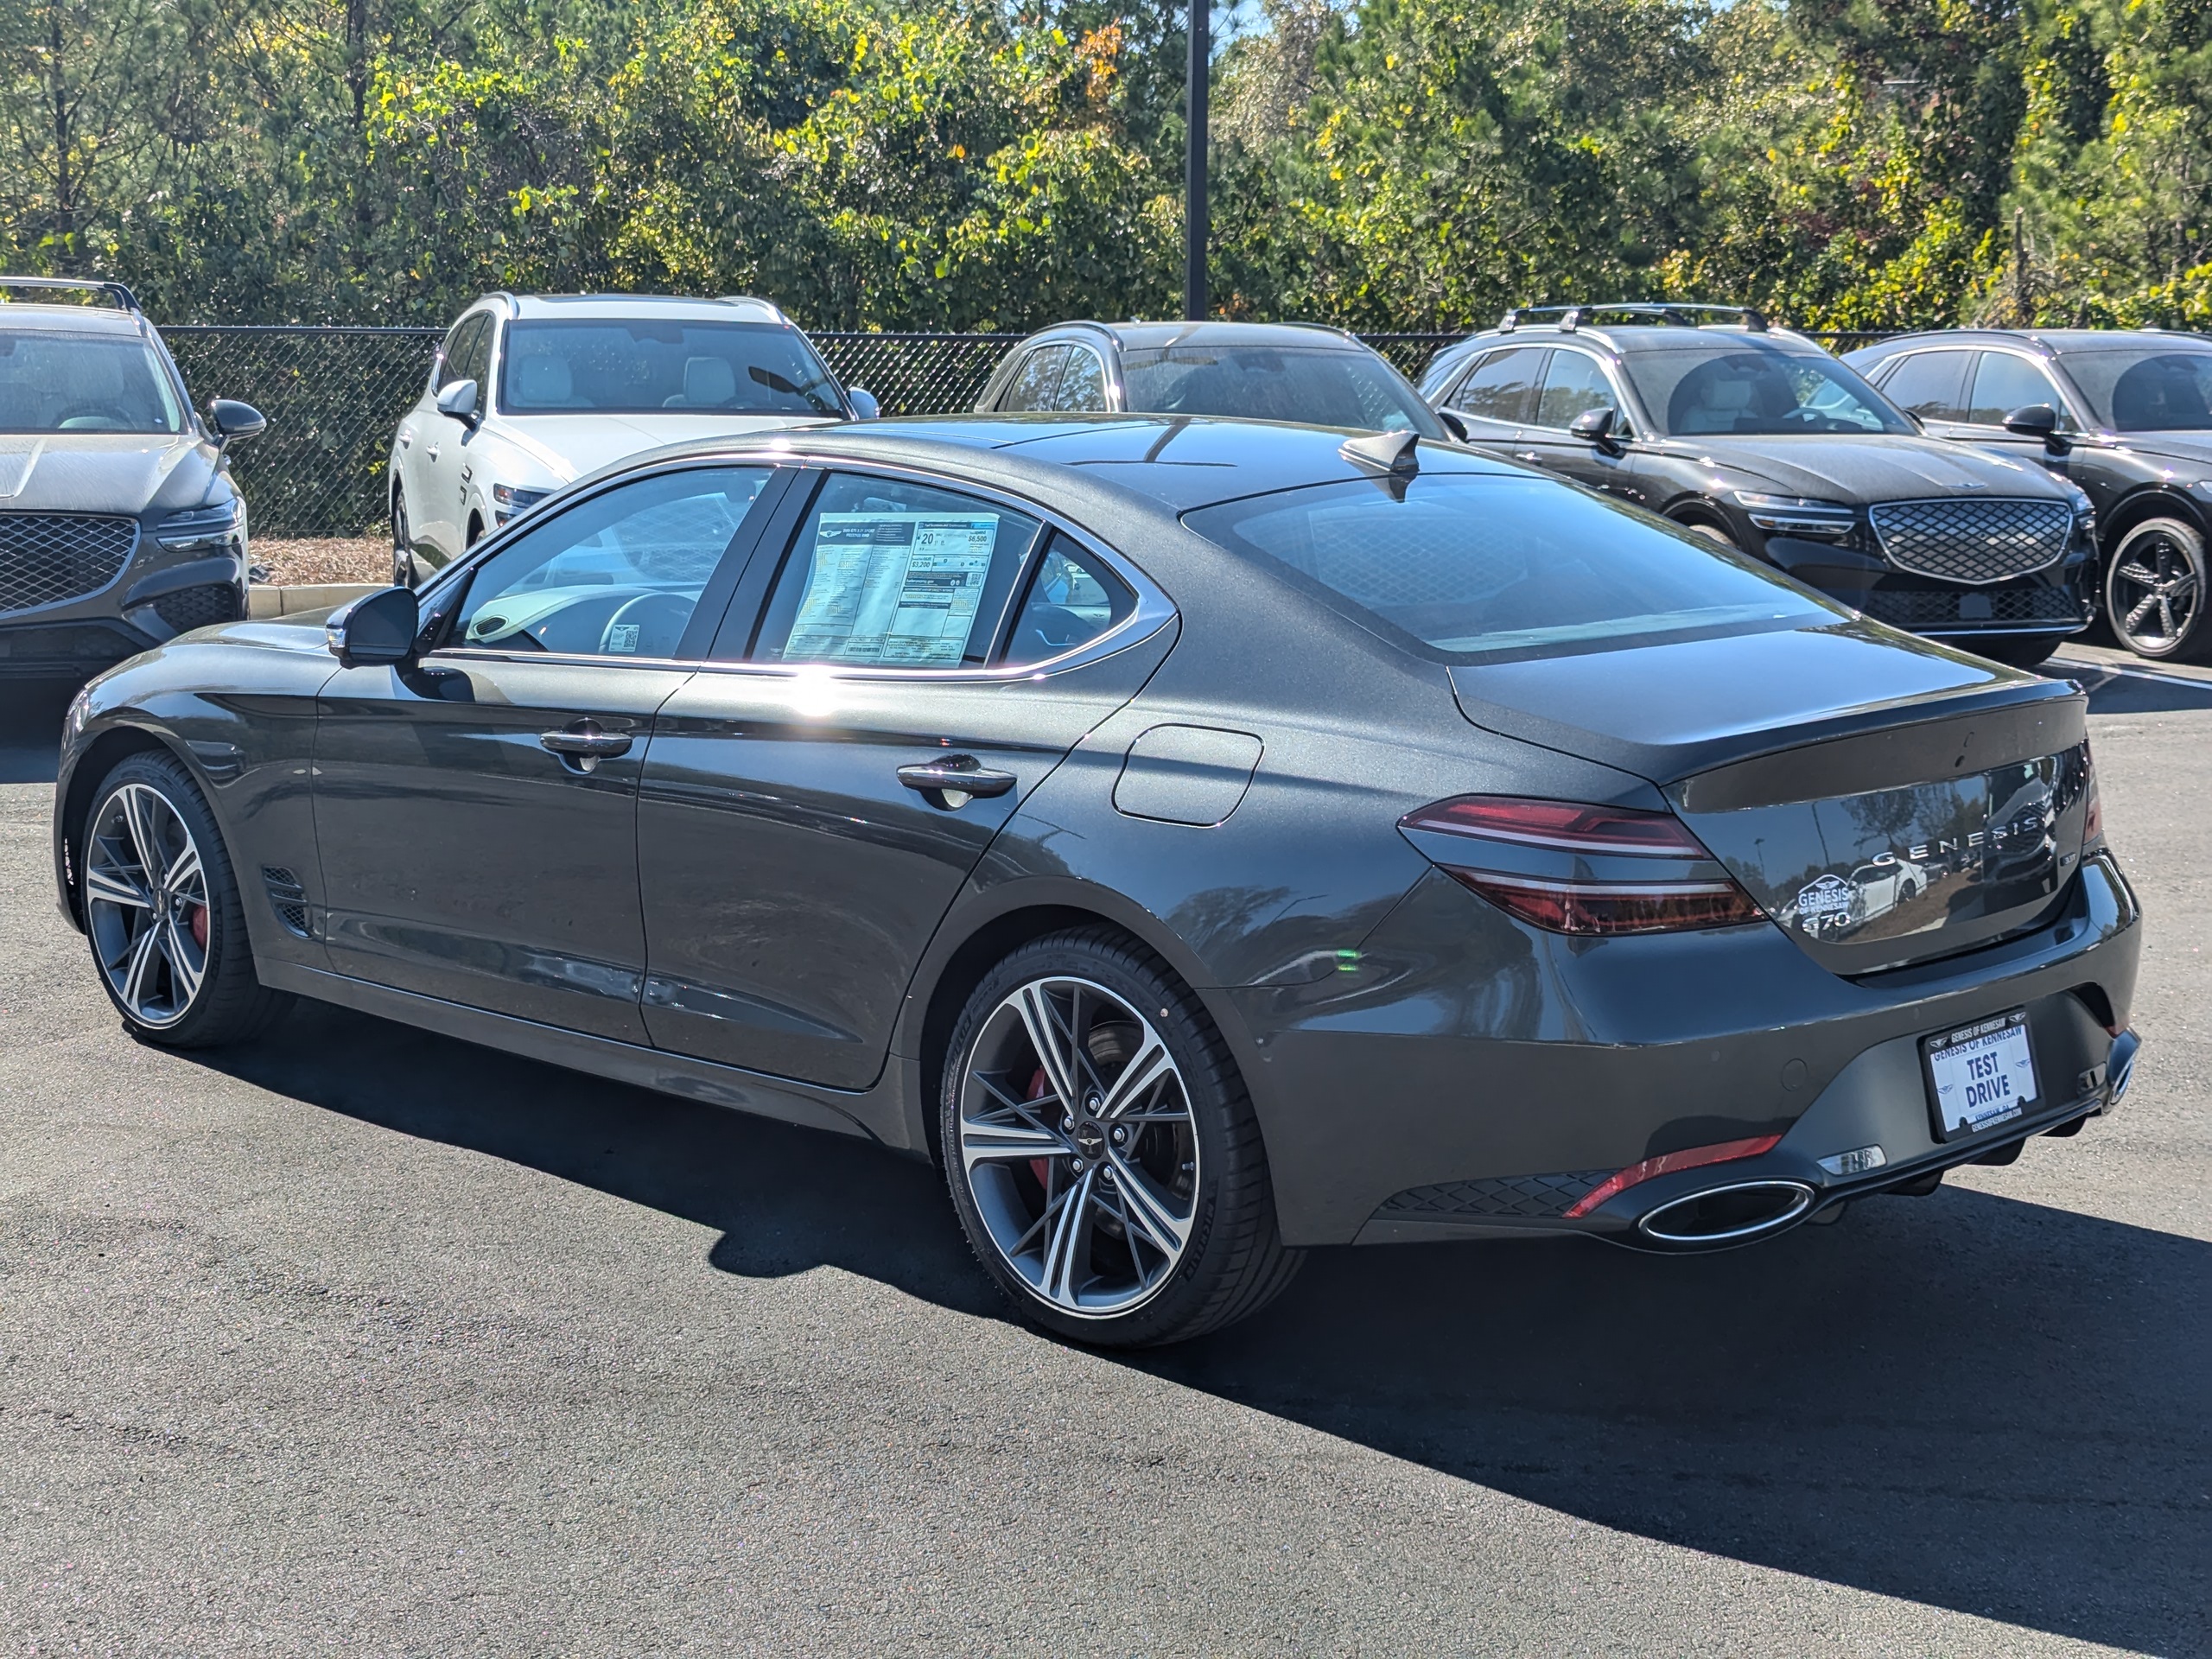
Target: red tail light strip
1668	1163
1608	907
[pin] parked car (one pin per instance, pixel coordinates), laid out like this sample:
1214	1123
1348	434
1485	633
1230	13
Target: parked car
2126	413
1758	438
120	526
1245	371
529	392
1206	838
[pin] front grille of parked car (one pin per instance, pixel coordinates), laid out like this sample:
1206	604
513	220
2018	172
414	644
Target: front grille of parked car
1936	608
47	557
196	608
1973	541
287	897
1512	1195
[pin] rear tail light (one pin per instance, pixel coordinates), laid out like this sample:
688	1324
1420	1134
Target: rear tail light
1561	906
1725	1151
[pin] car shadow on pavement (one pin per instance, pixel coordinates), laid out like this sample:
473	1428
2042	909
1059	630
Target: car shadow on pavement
2136	692
1964	1401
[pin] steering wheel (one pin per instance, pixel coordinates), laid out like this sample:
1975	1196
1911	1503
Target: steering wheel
649	625
117	419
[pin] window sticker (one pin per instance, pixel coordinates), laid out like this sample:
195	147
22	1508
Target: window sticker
893	587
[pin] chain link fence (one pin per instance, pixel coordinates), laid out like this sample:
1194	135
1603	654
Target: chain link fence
333	394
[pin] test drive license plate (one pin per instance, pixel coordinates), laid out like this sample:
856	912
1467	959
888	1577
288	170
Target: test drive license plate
1981	1074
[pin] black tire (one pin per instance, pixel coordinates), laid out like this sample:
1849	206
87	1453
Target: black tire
1710	531
2017	649
229	1004
1232	1261
2154	592
403	571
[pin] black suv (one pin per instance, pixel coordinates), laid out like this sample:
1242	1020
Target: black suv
2124	414
1757	437
119	525
1246	371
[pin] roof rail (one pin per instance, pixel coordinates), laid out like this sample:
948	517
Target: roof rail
1572	317
123	296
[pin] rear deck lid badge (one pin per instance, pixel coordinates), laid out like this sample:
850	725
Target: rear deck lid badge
1825	904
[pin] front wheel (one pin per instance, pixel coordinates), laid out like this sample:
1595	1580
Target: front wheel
2154	592
1102	1152
163	912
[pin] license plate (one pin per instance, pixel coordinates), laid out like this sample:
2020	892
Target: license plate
1980	1076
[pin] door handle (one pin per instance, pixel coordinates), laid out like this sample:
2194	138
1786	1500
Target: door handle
954	780
584	744
432	452
1518	454
407	439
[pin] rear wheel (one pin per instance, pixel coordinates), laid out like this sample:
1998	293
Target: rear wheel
163	912
1103	1154
2154	592
404	573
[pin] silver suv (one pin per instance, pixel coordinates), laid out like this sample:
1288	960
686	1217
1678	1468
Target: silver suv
120	527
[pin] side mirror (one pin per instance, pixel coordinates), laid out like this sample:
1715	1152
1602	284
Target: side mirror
865	408
459	400
1452	424
2037	421
234	421
376	630
1596	426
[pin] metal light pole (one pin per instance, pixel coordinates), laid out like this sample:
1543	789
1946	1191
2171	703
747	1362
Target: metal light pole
1194	167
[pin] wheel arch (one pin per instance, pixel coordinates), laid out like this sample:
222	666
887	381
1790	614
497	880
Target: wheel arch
2154	501
101	756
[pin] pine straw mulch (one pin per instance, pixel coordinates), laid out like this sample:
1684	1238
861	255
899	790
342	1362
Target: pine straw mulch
328	558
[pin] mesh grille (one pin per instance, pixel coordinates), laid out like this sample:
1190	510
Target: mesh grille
287	897
1973	541
46	557
1937	608
196	608
1514	1195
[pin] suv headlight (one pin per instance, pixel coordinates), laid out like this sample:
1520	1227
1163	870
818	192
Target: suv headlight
208	527
508	499
1797	515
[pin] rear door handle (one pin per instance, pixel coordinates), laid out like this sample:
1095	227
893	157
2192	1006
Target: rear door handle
585	744
960	775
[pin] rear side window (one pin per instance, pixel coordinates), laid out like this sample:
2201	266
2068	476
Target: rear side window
1930	385
892	574
1503	387
1483	567
1072	599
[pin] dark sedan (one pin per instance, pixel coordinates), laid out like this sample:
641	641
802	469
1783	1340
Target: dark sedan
1757	437
1207	839
2124	414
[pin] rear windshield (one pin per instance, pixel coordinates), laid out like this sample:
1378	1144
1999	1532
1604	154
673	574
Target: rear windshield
649	367
56	382
1485	567
2146	390
1746	388
1319	387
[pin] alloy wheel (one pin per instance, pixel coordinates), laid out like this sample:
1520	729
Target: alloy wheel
1079	1146
146	903
2155	591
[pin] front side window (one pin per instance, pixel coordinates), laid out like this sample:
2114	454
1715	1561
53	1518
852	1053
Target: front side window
618	575
1082	382
2003	382
1503	387
1573	385
651	367
468	352
1485	566
2139	391
52	381
1034	382
1930	385
1744	389
1313	386
887	574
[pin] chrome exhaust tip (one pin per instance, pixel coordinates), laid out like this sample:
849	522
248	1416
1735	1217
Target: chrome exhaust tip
1735	1214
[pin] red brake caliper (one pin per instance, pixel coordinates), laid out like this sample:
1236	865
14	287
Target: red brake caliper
1040	1168
199	925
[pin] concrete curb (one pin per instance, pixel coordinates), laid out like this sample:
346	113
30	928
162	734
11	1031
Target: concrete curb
265	601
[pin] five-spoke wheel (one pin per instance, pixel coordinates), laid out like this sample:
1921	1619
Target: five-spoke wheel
2154	591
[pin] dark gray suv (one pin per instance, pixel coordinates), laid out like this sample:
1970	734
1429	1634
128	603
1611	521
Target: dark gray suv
120	527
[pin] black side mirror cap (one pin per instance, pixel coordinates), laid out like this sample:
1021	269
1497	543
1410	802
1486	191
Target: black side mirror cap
1452	424
459	400
1595	426
377	630
234	421
2037	421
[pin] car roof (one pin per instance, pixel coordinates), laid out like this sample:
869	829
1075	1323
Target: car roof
1139	336
1179	462
71	319
2057	341
734	308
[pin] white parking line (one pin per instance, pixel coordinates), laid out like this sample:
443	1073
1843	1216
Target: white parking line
2151	674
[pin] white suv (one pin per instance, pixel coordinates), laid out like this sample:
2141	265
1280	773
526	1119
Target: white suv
530	393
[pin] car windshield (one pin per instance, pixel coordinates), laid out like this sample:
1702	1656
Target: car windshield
1751	388
55	381
1317	386
1486	566
2146	390
640	367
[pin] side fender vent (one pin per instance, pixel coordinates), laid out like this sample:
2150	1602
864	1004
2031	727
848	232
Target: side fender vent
289	899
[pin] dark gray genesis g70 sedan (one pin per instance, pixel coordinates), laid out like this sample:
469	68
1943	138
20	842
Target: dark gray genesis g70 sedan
1204	839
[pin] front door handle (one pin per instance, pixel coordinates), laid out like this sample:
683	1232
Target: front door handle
584	744
953	781
432	452
1527	454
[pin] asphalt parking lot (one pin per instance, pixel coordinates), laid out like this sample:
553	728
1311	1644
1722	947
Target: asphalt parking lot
363	1340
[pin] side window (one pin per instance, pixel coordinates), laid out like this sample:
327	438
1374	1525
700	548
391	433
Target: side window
1082	382
887	574
1034	381
1502	386
1573	385
2003	382
454	351
1929	384
618	575
475	361
1072	600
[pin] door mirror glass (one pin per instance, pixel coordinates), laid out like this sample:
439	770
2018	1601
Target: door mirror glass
234	421
459	400
865	407
377	629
